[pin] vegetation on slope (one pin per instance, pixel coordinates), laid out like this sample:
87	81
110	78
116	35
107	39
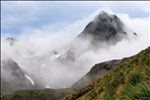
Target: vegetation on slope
129	80
45	94
96	72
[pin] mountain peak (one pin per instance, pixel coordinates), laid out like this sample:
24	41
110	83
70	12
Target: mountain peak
11	40
106	28
102	16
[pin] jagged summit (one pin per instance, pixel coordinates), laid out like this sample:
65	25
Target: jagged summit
104	16
104	29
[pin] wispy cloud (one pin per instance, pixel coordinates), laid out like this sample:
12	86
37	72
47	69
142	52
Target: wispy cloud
44	26
43	41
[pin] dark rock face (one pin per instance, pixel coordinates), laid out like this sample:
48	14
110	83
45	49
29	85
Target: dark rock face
105	29
11	40
96	72
13	78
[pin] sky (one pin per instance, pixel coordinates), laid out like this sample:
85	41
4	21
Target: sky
18	16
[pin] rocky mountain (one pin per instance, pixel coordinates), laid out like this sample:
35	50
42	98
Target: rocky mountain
11	40
96	71
104	28
103	31
13	78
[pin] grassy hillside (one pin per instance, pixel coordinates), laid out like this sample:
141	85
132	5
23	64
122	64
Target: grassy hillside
96	72
129	80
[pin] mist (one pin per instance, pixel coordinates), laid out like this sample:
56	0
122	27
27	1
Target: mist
36	50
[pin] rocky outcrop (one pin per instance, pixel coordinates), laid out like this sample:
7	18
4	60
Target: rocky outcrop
13	78
11	40
105	28
96	72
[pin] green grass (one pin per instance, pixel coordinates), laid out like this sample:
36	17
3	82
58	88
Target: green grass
129	80
46	94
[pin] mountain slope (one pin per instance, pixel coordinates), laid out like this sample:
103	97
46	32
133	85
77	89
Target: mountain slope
129	80
96	71
13	78
104	30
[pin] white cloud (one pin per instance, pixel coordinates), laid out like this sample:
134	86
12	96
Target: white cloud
143	6
42	41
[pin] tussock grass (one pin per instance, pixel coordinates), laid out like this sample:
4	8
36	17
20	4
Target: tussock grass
129	80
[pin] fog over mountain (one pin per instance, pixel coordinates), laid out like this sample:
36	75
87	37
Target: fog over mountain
57	59
105	30
13	78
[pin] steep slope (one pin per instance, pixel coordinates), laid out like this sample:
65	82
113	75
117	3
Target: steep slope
14	74
13	78
129	80
104	30
96	71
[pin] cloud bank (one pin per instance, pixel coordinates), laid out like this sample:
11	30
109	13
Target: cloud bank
35	49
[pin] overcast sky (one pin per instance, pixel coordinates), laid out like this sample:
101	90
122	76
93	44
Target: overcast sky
17	16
